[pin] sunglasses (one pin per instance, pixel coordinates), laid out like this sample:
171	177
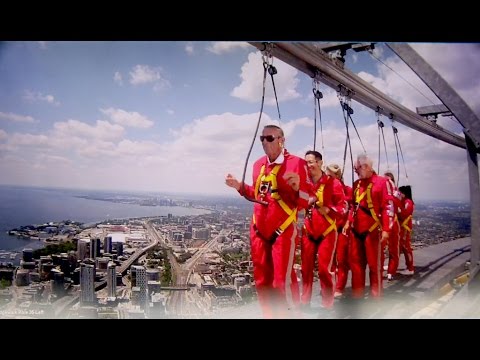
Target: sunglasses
269	138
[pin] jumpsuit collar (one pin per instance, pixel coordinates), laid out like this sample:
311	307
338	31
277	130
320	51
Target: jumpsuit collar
279	160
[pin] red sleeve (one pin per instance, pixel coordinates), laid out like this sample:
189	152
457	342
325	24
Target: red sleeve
352	202
247	190
338	205
407	209
387	207
305	186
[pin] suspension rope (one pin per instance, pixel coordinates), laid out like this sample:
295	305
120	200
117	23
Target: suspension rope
380	128
349	111
265	67
400	76
317	95
397	140
396	150
345	110
272	70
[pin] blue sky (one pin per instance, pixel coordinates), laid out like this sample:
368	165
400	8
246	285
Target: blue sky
178	116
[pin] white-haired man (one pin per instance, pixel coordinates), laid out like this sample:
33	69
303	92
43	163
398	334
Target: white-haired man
370	221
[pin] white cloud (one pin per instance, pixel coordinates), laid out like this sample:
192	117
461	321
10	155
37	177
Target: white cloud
208	148
16	117
459	65
189	48
3	134
103	130
398	88
28	140
54	159
38	97
170	112
137	148
42	44
432	166
456	63
144	74
250	89
378	52
330	98
117	78
161	85
222	47
130	119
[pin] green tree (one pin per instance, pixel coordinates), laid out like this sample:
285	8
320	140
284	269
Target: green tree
4	283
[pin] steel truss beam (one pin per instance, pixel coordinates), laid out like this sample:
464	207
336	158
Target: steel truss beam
313	61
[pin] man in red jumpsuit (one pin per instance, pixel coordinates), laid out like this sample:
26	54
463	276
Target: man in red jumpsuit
394	238
406	213
341	251
319	236
281	189
370	221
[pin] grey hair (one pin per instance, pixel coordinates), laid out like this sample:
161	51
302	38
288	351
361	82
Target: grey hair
280	131
365	159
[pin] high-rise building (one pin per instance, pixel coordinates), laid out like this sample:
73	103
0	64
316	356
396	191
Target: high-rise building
139	279
65	265
119	247
153	274
83	246
94	248
87	283
201	234
111	279
58	283
101	263
27	255
107	244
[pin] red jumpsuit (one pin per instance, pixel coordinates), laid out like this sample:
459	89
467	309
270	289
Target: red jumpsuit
319	238
342	246
273	253
366	228
406	213
394	238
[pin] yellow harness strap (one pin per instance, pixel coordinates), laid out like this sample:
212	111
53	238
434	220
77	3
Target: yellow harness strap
257	183
359	198
319	203
405	222
272	179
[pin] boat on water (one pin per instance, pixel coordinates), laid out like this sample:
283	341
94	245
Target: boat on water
11	254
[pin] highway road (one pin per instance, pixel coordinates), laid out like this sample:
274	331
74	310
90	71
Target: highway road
178	304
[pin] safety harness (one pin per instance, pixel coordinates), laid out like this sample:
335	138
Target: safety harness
370	211
405	223
268	183
319	204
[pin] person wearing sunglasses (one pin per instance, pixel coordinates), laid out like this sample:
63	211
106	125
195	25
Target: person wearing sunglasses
280	188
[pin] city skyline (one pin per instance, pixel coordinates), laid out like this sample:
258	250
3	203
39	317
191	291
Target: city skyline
153	116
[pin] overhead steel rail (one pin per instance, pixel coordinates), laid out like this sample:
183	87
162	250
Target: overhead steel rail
313	61
471	128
